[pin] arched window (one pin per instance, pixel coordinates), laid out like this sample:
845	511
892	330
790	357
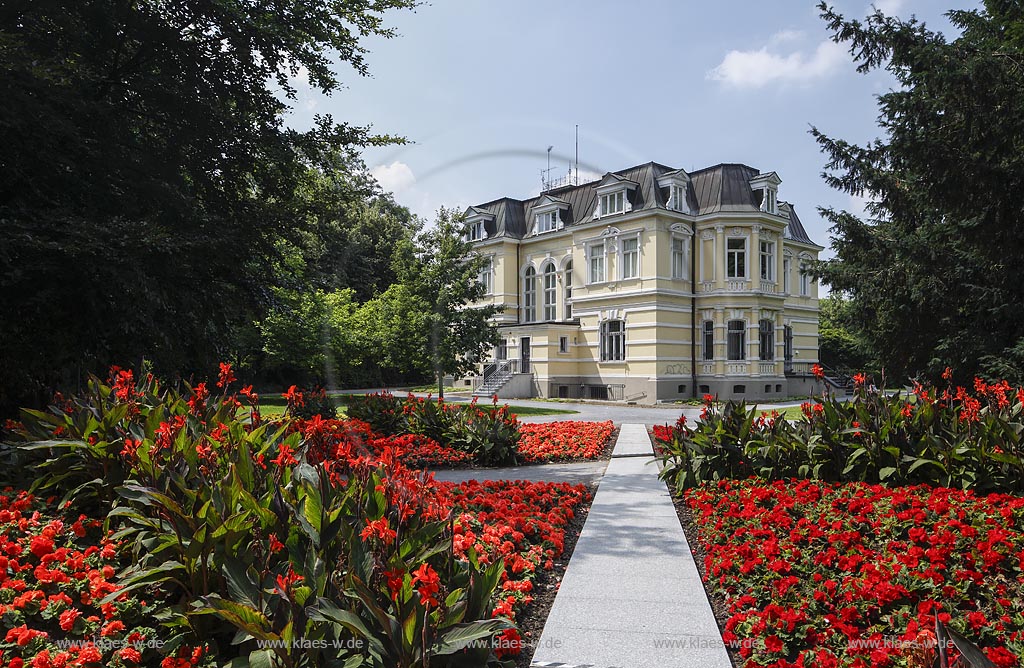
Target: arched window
550	291
613	341
766	339
530	295
568	290
737	340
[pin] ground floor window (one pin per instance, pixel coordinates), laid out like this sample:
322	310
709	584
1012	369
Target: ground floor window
613	341
766	337
737	340
709	340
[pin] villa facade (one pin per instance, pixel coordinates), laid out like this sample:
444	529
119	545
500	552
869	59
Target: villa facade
651	284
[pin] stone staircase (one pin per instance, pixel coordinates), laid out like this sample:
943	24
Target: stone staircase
495	375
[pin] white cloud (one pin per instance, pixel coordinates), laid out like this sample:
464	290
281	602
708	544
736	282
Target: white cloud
889	7
784	36
395	177
858	205
756	69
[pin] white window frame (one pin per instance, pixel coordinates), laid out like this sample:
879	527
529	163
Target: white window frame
629	261
766	339
476	230
613	343
568	290
530	295
708	340
486	276
787	273
740	263
601	266
550	277
549	221
563	345
738	334
677	198
678	255
767	256
805	279
610	204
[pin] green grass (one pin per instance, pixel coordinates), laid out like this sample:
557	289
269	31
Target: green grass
532	410
273	406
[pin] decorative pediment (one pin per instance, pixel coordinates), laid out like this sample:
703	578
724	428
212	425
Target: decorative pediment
679	228
613	182
611	231
476	212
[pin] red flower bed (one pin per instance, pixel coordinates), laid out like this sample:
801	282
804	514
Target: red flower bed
818	574
413	450
556	441
521	522
54	572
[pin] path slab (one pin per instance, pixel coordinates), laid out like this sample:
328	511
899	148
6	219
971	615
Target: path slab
632	596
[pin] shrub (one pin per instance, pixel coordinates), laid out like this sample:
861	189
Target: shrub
253	531
490	434
950	438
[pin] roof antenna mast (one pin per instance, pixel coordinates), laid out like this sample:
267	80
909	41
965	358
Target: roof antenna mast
545	176
576	178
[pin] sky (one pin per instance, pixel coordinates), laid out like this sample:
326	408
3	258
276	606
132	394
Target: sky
481	89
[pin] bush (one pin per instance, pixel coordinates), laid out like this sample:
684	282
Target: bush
489	433
251	531
949	438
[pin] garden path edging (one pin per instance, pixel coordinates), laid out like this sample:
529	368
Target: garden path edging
632	596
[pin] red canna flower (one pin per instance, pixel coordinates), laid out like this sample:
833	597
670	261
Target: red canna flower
226	377
427	583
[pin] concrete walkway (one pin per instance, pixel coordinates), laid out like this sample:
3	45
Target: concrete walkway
573	472
631	597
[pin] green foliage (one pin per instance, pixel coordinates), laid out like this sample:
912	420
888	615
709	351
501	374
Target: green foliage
840	346
149	180
929	271
443	271
949	439
276	532
489	433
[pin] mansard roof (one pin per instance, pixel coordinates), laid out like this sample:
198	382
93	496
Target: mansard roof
718	189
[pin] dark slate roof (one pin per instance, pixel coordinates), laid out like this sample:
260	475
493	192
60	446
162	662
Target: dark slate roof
796	229
722	188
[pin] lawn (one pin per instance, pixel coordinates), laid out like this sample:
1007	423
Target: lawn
272	406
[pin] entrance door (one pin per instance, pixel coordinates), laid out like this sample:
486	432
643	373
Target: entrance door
524	355
787	333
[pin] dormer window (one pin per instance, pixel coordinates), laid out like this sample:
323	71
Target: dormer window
476	231
675	185
547	222
677	198
613	196
766	192
549	214
612	203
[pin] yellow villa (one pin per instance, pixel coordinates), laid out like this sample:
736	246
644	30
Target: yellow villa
651	284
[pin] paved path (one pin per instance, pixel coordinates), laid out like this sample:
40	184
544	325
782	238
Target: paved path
631	597
575	472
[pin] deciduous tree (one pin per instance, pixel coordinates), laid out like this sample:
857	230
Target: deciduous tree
443	271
